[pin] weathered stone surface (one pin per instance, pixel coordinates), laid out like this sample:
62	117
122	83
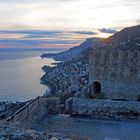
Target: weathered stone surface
12	131
2	107
68	105
117	71
35	111
54	138
84	93
106	109
53	105
8	132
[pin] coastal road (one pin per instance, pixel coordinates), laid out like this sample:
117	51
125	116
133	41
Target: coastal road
91	129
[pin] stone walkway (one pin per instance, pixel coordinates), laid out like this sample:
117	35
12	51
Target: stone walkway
91	129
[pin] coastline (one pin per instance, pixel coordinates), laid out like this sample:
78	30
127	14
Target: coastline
20	65
22	79
50	84
45	80
8	108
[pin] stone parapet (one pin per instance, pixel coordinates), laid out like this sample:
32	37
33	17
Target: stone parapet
106	109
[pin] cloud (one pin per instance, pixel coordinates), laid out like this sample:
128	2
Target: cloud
24	1
37	43
70	14
37	32
29	34
38	38
107	30
85	32
138	21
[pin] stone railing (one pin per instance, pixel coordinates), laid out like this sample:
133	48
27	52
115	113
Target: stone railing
35	110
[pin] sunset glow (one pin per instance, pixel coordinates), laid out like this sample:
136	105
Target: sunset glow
66	21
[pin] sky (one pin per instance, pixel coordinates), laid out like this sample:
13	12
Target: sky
62	23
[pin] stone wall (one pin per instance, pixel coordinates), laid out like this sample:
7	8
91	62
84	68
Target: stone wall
106	109
53	105
118	71
36	110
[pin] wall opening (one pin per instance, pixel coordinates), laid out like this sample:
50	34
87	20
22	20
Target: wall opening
97	87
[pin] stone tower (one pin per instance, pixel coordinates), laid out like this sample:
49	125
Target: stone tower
115	73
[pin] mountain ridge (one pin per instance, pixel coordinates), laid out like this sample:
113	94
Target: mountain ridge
72	52
128	38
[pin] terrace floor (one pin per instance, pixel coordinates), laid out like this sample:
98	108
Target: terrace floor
89	128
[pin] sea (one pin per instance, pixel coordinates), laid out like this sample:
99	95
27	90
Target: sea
20	73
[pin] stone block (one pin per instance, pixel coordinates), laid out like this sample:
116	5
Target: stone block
53	105
68	105
120	110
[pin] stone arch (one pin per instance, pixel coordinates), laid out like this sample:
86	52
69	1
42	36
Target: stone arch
97	87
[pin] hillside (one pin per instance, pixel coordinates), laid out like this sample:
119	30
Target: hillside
72	52
64	76
127	38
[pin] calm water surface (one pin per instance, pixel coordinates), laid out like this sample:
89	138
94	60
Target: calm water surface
20	73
